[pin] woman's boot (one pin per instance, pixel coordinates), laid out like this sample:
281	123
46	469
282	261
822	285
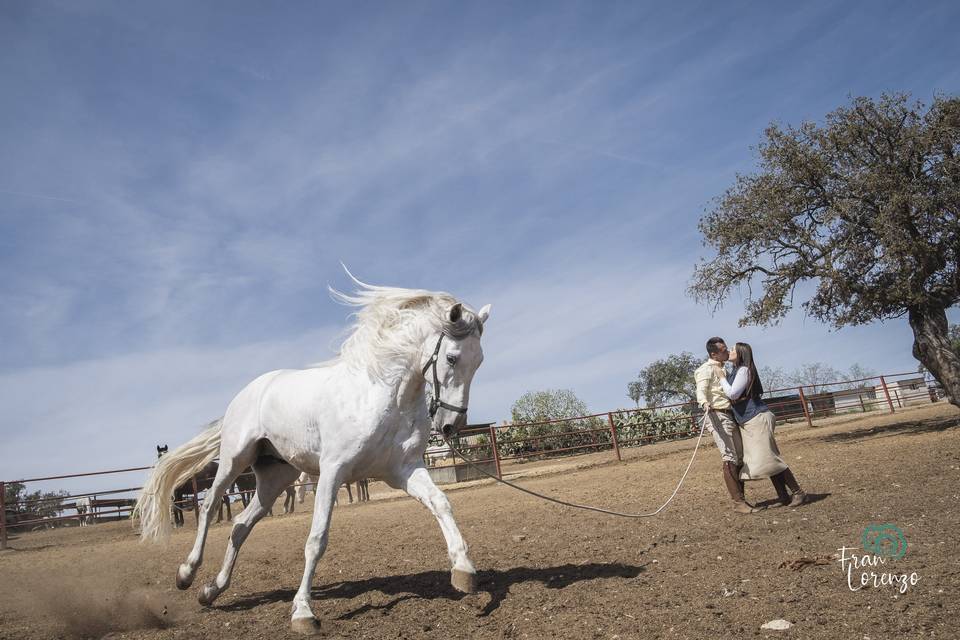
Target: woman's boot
799	495
781	486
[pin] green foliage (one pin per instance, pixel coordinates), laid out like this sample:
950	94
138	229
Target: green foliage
36	504
866	205
541	406
11	493
666	381
645	427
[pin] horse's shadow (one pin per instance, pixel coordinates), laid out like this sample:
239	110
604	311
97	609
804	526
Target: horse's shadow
430	585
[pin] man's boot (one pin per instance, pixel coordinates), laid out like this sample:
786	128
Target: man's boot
781	486
735	488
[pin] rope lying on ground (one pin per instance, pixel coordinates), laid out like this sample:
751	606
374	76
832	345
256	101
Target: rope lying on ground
588	507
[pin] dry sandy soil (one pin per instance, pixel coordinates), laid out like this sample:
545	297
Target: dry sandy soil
698	570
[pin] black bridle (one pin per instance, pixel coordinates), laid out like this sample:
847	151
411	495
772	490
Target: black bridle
435	401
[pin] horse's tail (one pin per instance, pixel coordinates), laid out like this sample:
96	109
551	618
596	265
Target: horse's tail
172	470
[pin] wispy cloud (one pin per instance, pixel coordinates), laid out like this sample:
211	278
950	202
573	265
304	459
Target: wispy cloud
179	192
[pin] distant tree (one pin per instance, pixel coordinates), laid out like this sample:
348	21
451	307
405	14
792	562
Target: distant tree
537	407
552	404
635	392
37	504
954	335
773	378
867	206
12	493
855	375
814	375
666	381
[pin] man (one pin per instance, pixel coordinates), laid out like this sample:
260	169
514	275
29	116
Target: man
720	422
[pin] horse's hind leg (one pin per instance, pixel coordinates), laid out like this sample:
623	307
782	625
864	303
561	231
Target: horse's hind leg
328	484
230	467
419	485
273	477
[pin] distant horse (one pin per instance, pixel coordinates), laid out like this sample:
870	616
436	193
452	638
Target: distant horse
84	509
186	490
307	480
289	499
363	414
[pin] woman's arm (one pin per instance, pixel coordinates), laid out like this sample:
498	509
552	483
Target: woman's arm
740	379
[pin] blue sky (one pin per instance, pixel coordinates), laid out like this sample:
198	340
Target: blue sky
179	184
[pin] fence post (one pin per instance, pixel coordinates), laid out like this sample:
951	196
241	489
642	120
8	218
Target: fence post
613	432
196	504
862	406
3	515
496	449
886	393
803	402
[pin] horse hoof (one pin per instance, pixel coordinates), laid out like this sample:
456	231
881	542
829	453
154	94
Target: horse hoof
207	595
464	581
183	581
305	626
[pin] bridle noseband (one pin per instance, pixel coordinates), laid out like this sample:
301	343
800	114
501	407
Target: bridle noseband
435	401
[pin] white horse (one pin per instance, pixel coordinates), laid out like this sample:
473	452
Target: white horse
363	414
84	507
306	480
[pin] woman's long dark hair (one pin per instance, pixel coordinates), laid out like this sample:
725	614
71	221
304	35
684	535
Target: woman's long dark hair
745	359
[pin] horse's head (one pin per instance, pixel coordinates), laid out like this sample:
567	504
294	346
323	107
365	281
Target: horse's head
162	450
455	357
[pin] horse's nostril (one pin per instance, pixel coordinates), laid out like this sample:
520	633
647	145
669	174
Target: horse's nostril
447	430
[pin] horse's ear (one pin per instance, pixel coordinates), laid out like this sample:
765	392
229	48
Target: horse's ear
456	312
484	313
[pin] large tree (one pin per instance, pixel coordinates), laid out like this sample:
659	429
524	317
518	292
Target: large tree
866	207
666	381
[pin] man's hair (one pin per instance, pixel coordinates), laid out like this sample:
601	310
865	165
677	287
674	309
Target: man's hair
713	345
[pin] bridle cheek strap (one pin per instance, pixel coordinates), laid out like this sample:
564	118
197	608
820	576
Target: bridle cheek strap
435	401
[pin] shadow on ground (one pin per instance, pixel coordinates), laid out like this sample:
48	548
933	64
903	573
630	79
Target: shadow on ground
916	427
774	504
430	585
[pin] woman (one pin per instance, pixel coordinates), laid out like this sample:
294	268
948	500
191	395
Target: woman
761	456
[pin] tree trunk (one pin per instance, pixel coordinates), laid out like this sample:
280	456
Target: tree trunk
932	347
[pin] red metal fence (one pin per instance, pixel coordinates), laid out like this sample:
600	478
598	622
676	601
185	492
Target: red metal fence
494	444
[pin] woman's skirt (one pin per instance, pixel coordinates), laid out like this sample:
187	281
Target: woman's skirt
761	456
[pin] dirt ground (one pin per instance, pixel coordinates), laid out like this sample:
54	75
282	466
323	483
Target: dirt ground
697	570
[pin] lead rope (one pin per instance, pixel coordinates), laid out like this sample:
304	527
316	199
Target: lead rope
703	426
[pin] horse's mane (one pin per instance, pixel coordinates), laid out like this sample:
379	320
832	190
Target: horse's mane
391	324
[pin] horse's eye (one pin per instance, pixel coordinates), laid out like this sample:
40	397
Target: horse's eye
451	359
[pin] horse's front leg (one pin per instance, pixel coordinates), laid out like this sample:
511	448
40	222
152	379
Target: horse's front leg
419	484
328	484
